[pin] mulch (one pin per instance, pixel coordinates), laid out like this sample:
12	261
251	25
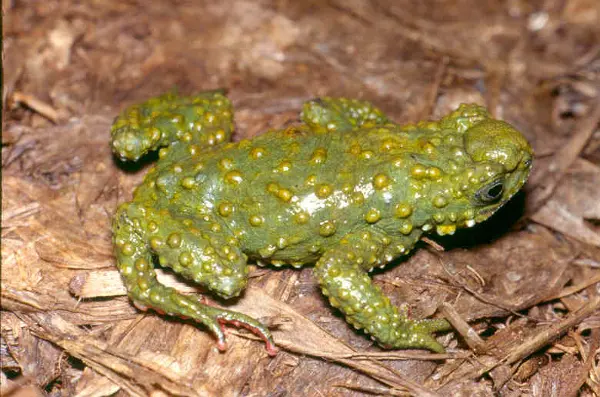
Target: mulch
522	290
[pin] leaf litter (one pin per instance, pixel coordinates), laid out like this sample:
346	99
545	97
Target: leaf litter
522	290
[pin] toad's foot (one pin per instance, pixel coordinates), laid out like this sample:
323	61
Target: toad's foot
214	318
418	334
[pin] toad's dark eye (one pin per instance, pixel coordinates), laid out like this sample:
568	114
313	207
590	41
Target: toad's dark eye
490	193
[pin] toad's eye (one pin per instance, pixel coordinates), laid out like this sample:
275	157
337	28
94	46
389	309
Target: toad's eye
491	192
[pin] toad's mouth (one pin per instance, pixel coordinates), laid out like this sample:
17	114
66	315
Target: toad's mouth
486	212
514	183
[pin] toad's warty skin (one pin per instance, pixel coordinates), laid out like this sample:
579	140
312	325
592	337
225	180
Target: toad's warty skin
347	190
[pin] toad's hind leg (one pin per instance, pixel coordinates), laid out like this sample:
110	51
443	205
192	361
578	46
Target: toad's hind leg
205	119
202	256
341	114
344	281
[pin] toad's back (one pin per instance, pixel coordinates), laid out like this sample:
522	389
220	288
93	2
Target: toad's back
288	195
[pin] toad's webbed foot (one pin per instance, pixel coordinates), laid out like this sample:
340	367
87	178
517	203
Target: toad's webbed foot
214	318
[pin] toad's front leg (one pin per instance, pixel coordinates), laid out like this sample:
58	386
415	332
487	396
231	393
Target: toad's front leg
343	278
341	114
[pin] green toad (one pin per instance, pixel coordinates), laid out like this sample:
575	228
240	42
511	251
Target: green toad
346	190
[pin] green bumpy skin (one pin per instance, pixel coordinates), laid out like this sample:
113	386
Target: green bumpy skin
347	190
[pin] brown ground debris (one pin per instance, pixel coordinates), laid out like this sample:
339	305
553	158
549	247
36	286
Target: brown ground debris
522	290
